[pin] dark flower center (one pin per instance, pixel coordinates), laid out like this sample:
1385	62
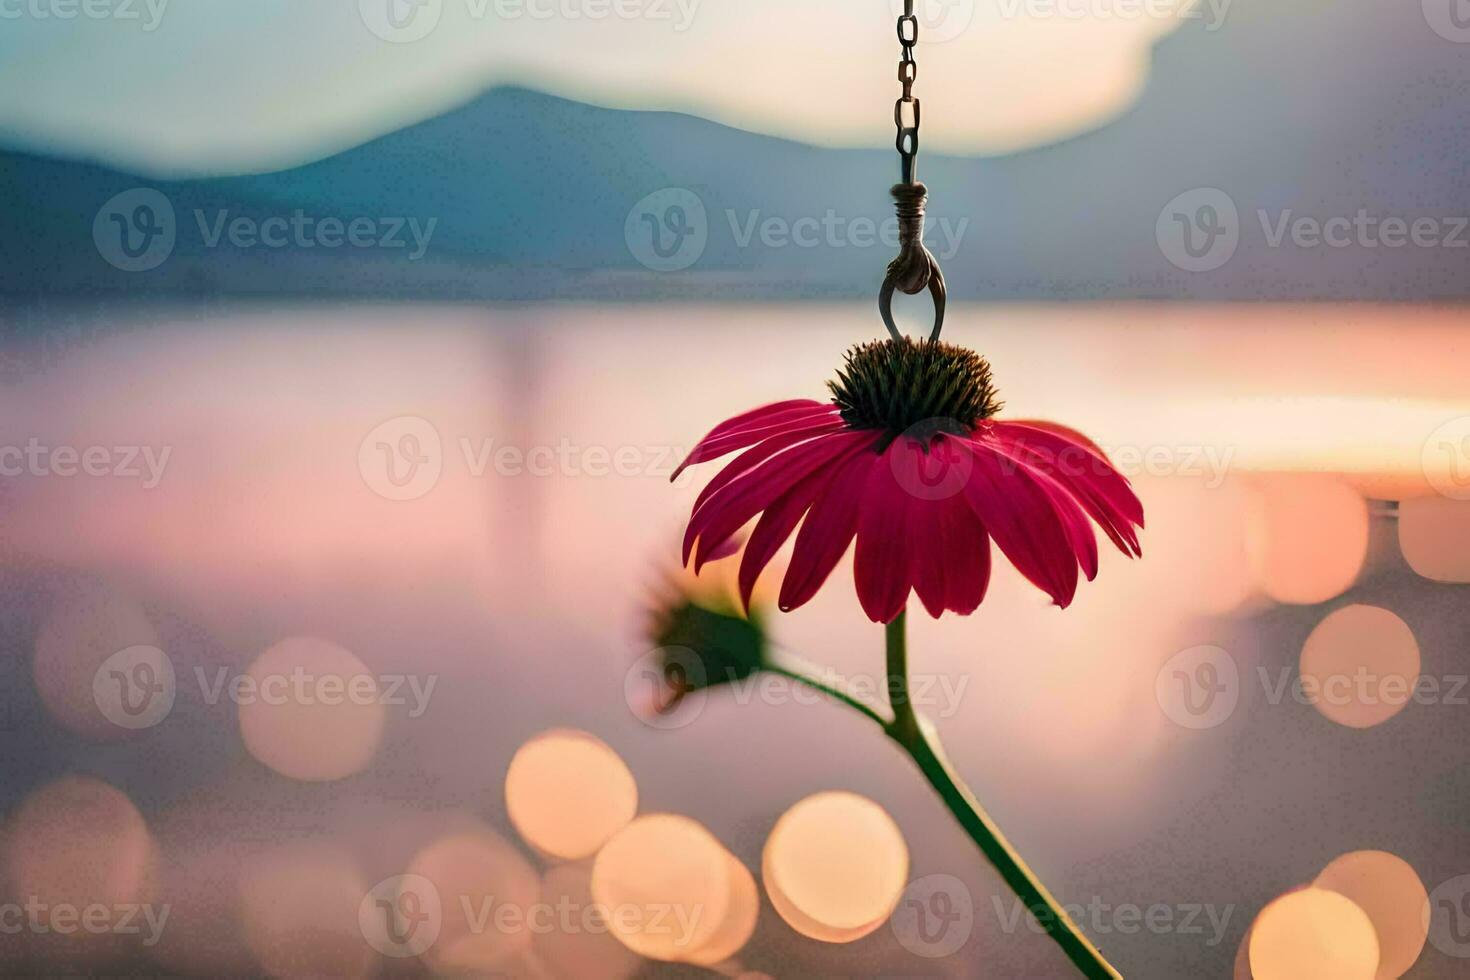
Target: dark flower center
915	387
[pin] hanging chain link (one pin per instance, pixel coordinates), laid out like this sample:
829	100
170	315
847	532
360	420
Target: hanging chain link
906	109
915	268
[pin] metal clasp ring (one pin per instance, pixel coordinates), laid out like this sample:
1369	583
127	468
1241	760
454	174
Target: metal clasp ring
936	290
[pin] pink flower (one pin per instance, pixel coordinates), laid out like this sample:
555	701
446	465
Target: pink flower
908	460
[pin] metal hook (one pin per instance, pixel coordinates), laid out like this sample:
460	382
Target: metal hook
885	302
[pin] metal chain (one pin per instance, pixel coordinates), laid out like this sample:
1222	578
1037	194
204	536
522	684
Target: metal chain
915	268
906	109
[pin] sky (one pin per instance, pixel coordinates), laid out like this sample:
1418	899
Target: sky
174	87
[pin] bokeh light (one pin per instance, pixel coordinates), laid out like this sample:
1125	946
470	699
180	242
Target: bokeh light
82	630
1242	970
835	866
580	945
1313	934
738	924
476	874
199	881
299	907
75	843
1434	535
665	881
1360	666
567	792
315	713
1385	887
1308	537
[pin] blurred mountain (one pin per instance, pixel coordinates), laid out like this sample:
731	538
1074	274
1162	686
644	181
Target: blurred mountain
1353	110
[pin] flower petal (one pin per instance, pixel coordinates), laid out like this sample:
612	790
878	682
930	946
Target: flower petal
928	564
728	510
1076	463
827	530
1018	513
759	453
754	426
966	555
763	414
885	533
1079	531
780	519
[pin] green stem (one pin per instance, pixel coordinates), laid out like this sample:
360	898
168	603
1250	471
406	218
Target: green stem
919	739
793	669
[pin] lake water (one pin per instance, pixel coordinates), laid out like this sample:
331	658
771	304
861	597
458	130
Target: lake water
482	496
